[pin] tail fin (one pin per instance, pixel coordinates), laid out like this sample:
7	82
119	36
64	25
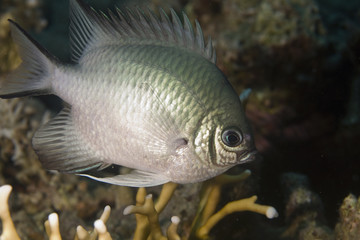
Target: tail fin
33	76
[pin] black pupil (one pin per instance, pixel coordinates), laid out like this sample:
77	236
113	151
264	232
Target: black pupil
231	138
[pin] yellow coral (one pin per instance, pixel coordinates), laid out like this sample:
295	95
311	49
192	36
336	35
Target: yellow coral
206	217
52	224
9	231
247	204
147	213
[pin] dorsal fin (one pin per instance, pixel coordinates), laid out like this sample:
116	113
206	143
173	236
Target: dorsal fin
90	29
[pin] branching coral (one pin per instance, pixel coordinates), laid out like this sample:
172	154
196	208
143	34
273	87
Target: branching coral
206	217
147	213
9	231
149	228
247	204
148	219
100	231
51	225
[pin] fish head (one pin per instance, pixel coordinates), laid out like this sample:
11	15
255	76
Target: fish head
225	138
233	138
232	145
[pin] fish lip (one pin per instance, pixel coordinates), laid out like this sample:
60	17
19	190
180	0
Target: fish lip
248	156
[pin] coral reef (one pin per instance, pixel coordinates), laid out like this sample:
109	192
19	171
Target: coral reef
51	225
20	119
284	51
348	228
147	214
304	211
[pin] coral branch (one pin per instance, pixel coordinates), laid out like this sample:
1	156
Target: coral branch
211	196
82	234
247	204
52	226
172	230
151	227
148	210
100	227
106	214
167	192
9	231
142	230
144	210
104	217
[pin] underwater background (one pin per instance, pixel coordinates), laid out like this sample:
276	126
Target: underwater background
301	58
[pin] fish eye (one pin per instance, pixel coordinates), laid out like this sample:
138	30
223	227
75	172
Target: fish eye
231	137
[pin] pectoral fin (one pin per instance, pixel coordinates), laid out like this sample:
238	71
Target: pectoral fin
244	95
136	178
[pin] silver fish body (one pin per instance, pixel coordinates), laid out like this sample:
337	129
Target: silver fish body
145	94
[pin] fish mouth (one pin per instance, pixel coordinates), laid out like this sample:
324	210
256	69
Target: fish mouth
248	156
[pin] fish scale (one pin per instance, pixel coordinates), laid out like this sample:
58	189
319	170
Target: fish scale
143	93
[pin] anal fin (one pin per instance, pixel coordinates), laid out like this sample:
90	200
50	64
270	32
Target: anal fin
136	178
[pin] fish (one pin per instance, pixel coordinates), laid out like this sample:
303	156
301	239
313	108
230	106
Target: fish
142	92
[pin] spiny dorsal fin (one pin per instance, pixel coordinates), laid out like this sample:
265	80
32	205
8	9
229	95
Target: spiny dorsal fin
90	29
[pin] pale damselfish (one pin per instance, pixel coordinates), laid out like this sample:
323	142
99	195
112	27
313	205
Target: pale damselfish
144	92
